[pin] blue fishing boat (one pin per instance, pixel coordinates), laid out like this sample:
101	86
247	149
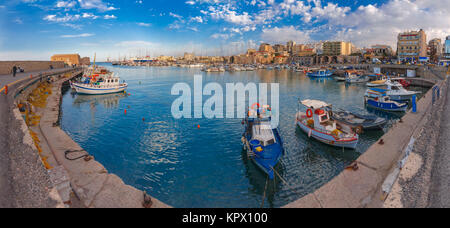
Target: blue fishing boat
261	141
378	99
320	74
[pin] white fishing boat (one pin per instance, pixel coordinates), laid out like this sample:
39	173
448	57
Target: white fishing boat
97	81
396	92
353	76
316	122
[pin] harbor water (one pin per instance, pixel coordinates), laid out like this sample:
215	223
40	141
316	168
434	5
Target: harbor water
200	162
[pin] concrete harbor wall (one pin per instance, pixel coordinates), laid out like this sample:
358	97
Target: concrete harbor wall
59	181
378	168
29	66
24	180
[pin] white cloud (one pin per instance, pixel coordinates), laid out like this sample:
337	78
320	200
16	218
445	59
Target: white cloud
66	4
221	36
198	19
108	17
78	35
89	15
96	4
373	24
66	18
144	24
284	34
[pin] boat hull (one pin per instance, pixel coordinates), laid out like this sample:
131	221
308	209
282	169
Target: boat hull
315	75
266	163
375	84
392	107
371	123
89	90
340	79
400	97
327	138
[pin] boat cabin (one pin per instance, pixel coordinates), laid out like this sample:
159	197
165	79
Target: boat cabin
322	72
322	121
350	73
264	134
321	117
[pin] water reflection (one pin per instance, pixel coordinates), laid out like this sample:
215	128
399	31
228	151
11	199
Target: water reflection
108	101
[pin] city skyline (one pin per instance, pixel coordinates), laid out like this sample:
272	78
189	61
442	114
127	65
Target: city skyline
36	29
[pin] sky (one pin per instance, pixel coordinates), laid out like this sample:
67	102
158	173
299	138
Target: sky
37	29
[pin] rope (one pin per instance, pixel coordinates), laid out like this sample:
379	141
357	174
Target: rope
282	179
265	189
67	152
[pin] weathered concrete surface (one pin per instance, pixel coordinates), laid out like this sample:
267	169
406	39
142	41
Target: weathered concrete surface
362	188
6	192
440	177
23	180
90	181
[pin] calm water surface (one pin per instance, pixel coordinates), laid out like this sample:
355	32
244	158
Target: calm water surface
184	166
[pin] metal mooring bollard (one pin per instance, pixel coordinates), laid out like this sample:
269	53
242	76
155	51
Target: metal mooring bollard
147	201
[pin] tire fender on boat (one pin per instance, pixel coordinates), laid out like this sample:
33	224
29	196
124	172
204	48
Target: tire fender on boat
359	130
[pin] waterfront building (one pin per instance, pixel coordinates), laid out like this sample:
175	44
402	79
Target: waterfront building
251	52
282	59
335	48
447	47
435	49
445	60
290	46
279	48
381	50
303	60
189	57
85	61
306	52
164	58
412	45
69	59
266	48
264	57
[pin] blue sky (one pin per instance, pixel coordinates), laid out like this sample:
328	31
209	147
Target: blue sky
36	29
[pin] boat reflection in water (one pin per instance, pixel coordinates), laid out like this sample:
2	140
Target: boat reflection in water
321	80
109	101
258	181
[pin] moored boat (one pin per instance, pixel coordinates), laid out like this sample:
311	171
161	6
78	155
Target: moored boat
380	80
353	76
378	99
359	122
316	122
397	92
97	81
322	73
261	141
